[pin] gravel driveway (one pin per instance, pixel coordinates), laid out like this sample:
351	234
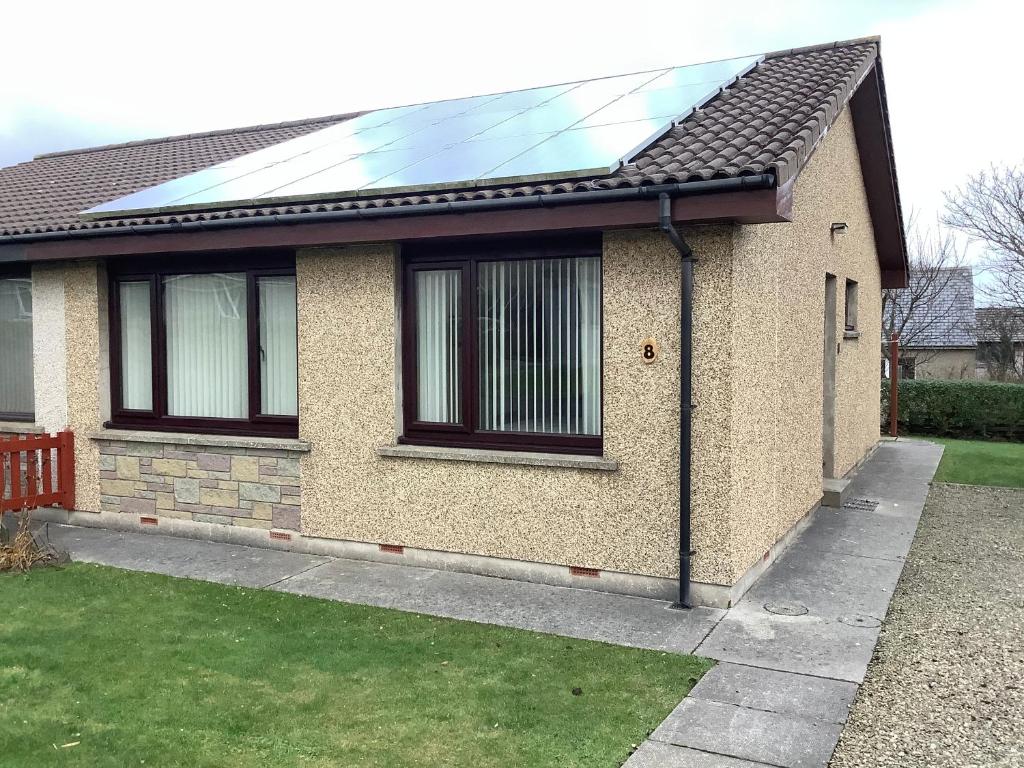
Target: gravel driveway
946	683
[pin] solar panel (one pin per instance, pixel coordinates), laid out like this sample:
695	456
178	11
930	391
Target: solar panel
563	131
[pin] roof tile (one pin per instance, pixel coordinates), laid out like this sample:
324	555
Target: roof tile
768	121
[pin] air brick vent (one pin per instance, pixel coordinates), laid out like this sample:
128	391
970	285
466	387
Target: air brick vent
590	573
144	520
280	536
392	549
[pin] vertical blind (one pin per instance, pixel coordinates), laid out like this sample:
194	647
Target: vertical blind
539	356
207	347
438	344
136	347
16	394
279	357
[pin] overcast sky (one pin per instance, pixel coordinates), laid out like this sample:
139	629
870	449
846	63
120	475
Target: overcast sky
88	73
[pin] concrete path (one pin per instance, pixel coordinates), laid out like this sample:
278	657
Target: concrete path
793	650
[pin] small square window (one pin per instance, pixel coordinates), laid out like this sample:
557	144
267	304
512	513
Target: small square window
851	305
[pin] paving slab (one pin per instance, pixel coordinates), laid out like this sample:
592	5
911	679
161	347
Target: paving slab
886	533
817	698
580	613
186	558
844	584
805	645
655	754
749	734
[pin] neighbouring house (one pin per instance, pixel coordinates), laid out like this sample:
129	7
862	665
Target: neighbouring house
1000	333
936	323
518	372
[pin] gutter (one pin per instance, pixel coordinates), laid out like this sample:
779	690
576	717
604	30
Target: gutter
685	396
650	192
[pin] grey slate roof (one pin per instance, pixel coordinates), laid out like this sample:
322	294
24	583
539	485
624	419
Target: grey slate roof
993	321
944	315
770	121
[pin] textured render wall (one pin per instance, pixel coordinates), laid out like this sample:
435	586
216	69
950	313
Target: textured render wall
947	364
49	350
251	487
624	521
85	300
779	278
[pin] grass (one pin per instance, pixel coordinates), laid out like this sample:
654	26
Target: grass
142	669
977	462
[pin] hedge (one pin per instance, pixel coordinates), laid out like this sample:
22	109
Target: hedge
972	409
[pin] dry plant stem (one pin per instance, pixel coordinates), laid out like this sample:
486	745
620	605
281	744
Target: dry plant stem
22	553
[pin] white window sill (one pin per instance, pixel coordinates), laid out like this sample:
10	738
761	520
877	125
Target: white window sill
201	441
20	428
570	461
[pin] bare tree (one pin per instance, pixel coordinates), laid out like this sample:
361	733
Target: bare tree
927	307
990	210
1001	343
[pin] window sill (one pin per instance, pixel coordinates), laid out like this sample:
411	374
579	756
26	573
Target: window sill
851	334
204	441
20	428
498	457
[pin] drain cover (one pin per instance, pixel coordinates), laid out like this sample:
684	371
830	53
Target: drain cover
786	609
865	505
868	622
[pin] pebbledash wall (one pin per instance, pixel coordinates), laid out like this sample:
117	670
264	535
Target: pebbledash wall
758	322
757	365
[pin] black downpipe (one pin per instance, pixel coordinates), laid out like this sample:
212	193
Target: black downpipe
685	394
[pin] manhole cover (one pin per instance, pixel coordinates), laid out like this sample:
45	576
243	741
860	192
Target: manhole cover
786	609
868	622
865	505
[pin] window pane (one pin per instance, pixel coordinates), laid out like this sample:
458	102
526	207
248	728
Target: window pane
207	346
438	344
16	395
540	346
136	347
279	353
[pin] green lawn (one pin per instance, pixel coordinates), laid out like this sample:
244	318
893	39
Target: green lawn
977	462
148	670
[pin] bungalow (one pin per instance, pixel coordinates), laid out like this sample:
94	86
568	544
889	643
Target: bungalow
611	334
936	324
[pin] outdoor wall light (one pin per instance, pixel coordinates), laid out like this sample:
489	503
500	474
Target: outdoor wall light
839	227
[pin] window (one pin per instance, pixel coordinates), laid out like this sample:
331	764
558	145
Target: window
17	399
502	347
908	368
205	345
851	305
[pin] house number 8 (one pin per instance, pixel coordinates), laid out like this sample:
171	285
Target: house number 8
649	350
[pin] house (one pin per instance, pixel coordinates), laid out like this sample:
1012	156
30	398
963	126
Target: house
935	320
631	377
1000	333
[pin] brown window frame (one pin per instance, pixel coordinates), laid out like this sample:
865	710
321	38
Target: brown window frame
467	257
254	266
20	272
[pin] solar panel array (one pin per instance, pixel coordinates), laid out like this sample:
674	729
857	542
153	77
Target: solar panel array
574	130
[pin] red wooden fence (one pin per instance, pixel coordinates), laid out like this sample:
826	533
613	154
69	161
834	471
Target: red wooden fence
37	471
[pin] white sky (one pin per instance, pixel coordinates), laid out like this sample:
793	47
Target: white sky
80	74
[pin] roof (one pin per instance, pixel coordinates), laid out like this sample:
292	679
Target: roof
994	322
941	309
770	121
